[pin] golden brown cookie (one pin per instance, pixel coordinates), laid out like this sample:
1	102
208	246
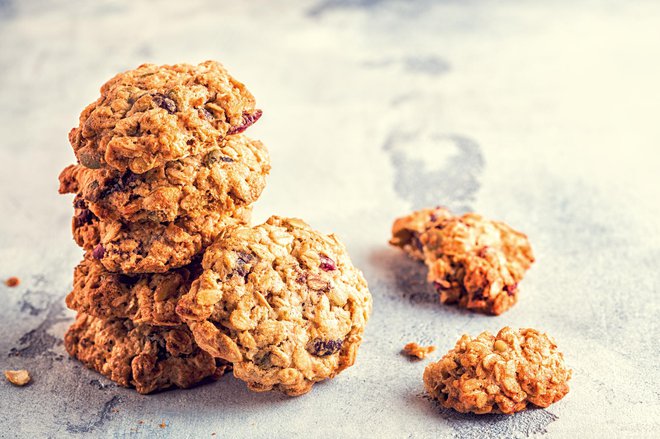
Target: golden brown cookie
501	374
229	176
154	114
146	357
473	262
280	301
146	246
143	299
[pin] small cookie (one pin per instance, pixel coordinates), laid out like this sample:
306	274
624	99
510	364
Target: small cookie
280	301
154	114
222	179
149	247
501	374
473	262
145	357
143	299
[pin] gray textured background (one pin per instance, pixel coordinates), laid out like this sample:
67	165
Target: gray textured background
544	115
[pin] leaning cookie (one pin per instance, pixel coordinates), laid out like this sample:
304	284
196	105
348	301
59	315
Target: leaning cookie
501	374
149	247
225	178
473	262
154	114
280	301
143	299
142	356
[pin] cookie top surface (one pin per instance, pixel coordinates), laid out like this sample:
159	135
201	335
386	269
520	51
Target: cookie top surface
499	374
143	299
221	179
154	114
142	356
474	262
146	246
280	301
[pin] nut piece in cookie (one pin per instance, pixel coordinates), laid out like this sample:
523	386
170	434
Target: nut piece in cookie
473	262
146	298
415	350
147	246
155	114
501	374
17	377
146	357
230	176
280	301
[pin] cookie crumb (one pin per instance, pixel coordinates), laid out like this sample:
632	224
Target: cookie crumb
17	377
163	424
415	350
12	282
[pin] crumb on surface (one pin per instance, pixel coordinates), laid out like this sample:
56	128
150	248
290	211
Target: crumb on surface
18	377
12	281
163	424
415	350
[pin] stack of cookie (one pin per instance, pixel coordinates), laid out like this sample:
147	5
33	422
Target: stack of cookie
176	286
163	170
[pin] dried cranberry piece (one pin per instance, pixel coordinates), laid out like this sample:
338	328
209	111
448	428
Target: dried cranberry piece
248	119
327	264
98	252
323	348
165	103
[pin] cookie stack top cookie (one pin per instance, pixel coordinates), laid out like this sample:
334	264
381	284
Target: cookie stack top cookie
163	166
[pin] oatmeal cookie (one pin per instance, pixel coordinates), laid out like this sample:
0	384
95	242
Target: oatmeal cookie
149	247
473	262
501	374
146	357
143	299
154	114
280	301
222	179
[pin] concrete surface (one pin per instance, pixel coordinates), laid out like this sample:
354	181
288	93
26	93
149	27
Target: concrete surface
544	115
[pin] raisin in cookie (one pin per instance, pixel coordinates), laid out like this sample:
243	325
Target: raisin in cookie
501	374
146	357
149	247
146	298
280	301
154	114
223	179
473	262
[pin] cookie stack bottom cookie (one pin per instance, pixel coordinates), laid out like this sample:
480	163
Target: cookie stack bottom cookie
146	357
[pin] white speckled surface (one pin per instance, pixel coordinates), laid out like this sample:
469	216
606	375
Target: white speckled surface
545	116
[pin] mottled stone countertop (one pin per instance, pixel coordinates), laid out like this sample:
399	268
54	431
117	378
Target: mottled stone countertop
543	115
